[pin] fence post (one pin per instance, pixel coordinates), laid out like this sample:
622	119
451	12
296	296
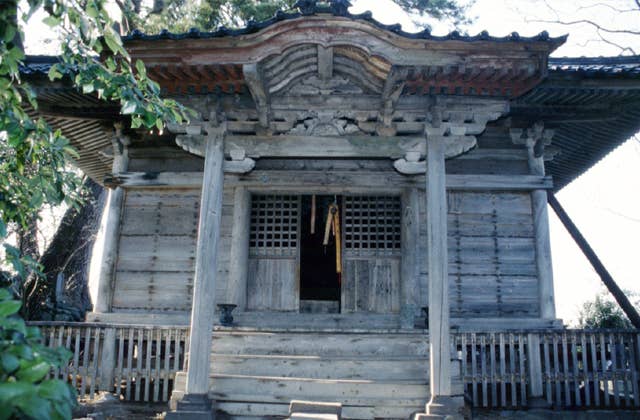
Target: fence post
534	360
108	360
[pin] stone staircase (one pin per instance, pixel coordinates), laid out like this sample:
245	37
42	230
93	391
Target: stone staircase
372	374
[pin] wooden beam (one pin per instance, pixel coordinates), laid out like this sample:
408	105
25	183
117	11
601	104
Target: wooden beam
302	180
393	86
325	62
254	80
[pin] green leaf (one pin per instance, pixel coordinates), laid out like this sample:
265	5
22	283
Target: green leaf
9	33
5	295
9	362
87	88
129	107
9	307
34	373
11	390
113	41
33	406
54	388
140	67
54	72
3	229
51	21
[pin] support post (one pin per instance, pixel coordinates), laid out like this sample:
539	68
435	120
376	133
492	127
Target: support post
196	404
410	275
439	336
535	139
240	248
110	227
535	370
108	360
543	242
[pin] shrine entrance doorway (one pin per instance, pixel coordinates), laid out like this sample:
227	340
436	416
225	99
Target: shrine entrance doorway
320	254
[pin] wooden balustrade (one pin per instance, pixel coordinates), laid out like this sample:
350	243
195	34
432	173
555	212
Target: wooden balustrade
137	362
571	368
568	369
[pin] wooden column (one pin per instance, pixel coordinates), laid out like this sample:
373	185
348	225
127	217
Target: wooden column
410	275
541	224
239	248
204	284
110	227
439	337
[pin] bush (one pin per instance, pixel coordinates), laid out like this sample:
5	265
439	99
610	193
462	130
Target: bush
25	391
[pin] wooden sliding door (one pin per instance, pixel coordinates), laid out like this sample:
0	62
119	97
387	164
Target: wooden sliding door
272	283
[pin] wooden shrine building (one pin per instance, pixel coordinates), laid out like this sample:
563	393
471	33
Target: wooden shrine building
342	181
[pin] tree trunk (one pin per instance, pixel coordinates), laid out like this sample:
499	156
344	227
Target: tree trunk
69	254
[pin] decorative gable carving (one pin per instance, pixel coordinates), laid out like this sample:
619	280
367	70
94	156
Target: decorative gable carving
325	124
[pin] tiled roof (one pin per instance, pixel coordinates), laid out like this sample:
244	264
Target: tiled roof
37	64
340	11
596	66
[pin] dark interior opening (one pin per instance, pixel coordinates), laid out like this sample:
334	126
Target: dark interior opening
318	278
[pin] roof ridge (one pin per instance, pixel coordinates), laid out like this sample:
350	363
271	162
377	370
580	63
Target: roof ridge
605	60
337	8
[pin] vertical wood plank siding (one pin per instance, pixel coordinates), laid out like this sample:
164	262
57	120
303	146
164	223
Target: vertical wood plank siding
580	369
146	358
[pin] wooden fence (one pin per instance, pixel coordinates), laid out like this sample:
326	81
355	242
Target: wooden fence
137	362
566	368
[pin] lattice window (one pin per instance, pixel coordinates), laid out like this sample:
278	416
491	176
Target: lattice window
274	225
372	224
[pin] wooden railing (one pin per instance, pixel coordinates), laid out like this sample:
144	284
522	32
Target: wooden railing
137	362
567	368
564	369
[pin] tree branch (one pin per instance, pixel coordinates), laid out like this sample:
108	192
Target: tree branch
587	22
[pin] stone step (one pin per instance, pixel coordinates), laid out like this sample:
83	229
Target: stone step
320	367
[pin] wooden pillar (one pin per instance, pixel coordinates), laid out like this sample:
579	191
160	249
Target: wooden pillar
439	336
543	243
108	360
410	275
110	227
204	284
534	361
240	248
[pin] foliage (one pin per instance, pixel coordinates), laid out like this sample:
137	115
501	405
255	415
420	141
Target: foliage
602	312
181	15
451	10
32	154
25	391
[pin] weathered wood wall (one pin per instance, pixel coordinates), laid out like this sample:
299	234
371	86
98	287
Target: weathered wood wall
156	260
492	266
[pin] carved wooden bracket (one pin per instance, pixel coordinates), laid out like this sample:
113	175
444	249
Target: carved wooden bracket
457	123
537	138
193	141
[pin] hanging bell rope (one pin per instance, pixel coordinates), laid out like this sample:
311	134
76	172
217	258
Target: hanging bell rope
313	214
332	226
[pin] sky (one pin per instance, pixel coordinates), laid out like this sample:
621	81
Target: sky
605	201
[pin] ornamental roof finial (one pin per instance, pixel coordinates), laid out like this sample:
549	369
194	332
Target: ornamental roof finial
336	7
